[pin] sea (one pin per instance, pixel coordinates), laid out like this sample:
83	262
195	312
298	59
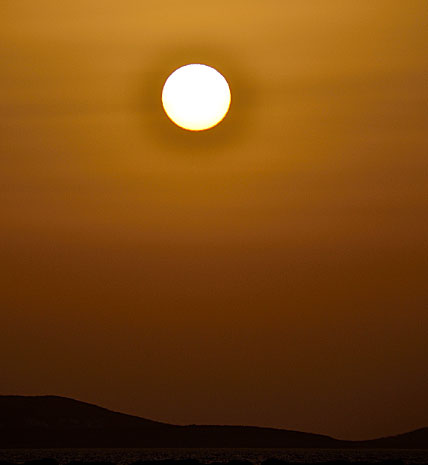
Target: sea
256	456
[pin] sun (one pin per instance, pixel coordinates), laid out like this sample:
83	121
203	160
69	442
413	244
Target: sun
196	97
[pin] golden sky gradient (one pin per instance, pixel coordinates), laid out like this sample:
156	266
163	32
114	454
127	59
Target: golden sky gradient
271	271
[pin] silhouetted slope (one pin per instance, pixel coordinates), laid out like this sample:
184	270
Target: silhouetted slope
52	421
253	436
62	412
417	439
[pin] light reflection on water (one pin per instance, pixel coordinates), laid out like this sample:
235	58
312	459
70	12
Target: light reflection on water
127	456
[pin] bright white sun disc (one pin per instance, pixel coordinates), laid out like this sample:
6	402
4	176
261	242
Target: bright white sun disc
196	97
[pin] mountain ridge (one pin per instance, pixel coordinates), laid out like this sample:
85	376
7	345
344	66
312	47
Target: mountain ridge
54	421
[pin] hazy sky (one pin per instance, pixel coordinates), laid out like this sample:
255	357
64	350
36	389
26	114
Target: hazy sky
272	271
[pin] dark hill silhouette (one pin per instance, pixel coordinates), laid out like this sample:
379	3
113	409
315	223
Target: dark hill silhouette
417	439
52	421
62	412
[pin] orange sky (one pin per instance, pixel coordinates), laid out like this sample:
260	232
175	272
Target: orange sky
272	271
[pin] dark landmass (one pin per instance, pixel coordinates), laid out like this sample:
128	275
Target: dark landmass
271	461
59	422
417	439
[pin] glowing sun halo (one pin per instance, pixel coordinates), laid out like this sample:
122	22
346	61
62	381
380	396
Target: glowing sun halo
196	97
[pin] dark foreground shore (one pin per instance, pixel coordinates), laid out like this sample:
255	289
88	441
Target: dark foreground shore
271	461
